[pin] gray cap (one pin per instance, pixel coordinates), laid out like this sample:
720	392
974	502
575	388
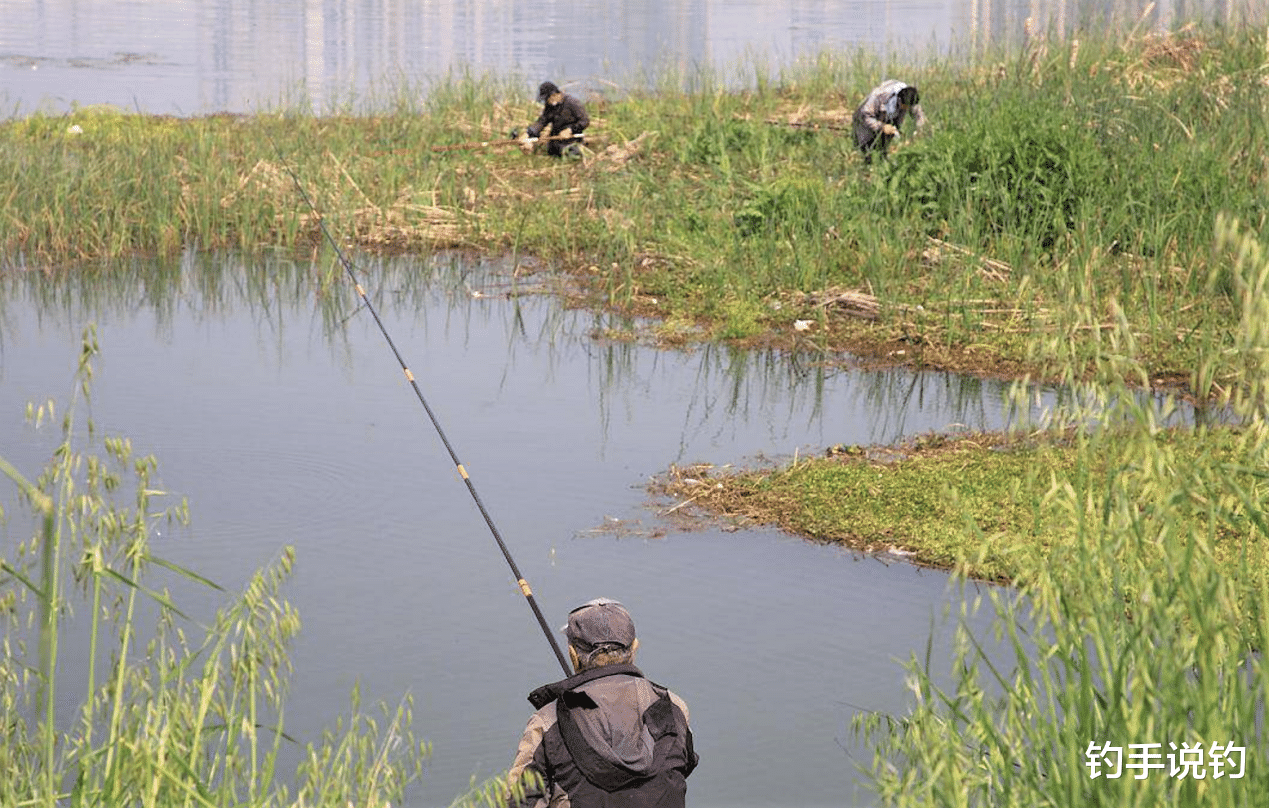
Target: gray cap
601	621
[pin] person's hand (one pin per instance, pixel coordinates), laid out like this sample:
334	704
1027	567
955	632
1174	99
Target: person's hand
889	129
527	143
565	133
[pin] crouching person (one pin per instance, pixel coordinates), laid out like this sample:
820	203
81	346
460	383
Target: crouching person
878	118
566	118
606	736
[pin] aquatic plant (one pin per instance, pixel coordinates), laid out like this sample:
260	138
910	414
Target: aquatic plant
165	717
1132	670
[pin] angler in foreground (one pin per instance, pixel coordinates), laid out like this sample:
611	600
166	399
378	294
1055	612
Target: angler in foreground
605	736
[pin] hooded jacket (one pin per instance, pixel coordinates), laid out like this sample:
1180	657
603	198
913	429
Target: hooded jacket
881	107
567	114
605	738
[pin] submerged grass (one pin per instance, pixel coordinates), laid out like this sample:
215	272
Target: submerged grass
1057	188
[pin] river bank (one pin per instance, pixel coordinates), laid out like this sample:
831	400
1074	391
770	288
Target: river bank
1075	212
1055	192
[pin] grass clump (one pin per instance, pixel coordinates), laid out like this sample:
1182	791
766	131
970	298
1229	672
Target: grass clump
1126	646
982	503
162	717
1139	634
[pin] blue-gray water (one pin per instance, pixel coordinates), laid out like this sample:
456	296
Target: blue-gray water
200	56
282	429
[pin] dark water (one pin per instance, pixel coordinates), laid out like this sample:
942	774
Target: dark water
284	419
200	56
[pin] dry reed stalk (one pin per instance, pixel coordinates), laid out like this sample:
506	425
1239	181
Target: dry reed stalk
408	223
264	174
615	156
990	268
852	303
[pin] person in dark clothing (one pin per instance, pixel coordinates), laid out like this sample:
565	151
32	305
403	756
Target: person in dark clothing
566	118
605	737
878	118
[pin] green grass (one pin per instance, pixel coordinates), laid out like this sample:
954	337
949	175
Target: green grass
984	504
164	716
1057	188
1145	624
1139	573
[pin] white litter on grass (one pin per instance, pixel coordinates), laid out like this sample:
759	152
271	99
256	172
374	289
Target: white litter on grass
802	325
74	129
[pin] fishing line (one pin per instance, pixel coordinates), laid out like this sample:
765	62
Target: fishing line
462	471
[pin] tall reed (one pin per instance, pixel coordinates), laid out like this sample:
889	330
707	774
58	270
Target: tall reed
1130	670
164	718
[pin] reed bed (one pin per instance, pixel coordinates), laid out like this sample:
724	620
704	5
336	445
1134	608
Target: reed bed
1127	668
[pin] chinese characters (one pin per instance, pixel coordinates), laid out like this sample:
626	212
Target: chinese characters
1195	761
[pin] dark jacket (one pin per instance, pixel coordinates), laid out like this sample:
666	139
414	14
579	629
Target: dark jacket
606	738
568	114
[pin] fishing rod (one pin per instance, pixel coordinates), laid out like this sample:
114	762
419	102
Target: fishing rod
478	144
511	141
487	144
462	471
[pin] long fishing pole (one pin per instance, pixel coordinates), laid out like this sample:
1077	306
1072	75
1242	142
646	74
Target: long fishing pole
462	471
579	137
511	141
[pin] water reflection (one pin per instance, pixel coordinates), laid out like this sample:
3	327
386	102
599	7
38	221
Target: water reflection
275	407
204	56
460	296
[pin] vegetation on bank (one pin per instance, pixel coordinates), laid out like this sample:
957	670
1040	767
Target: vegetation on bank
981	503
1090	212
995	506
1057	190
1125	665
166	712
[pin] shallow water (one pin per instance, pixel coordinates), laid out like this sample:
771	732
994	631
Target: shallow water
287	422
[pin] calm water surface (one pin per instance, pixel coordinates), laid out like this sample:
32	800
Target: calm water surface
284	426
200	56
